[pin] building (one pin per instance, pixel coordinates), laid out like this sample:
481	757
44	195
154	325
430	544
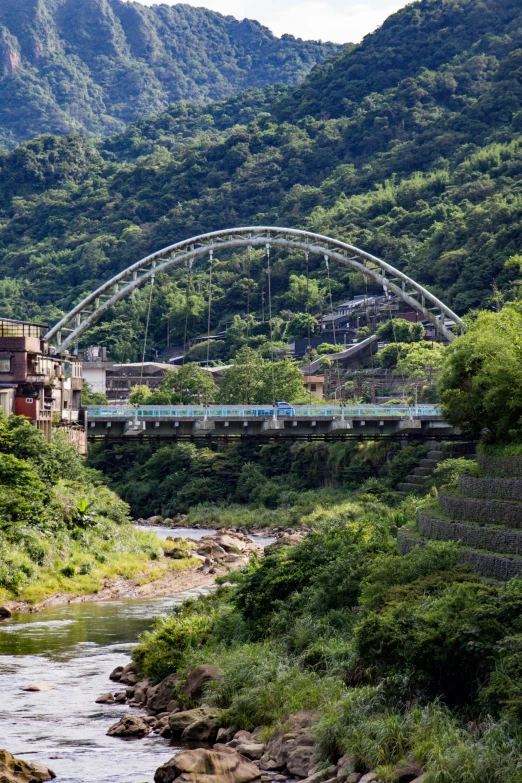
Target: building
121	378
34	382
314	384
94	367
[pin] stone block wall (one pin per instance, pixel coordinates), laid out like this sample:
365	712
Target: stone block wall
494	488
485	517
495	512
500	467
495	539
487	564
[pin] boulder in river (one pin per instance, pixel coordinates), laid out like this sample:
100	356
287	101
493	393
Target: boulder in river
38	687
130	727
116	673
160	696
5	613
128	676
207	766
200	724
198	678
13	770
105	698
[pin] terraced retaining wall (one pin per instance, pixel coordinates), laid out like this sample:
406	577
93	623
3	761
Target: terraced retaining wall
495	488
485	512
487	564
500	467
495	539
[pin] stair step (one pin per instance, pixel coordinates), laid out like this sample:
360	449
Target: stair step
421	471
428	463
436	454
405	486
411	479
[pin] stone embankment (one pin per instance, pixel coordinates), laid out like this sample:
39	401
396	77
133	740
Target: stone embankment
484	514
219	753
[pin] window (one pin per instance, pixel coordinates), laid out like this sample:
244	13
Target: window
5	362
313	387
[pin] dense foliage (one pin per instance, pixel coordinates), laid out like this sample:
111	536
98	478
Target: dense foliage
280	483
421	167
402	657
61	528
482	378
96	65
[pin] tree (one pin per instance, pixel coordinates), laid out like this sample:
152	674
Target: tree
188	385
300	325
140	395
481	383
92	398
325	348
420	361
303	291
401	331
253	380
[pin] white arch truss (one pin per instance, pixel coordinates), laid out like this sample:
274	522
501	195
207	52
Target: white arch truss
90	309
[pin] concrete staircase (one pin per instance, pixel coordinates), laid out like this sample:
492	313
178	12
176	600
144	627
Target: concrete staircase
417	480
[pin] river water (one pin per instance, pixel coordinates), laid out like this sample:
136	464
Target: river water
74	648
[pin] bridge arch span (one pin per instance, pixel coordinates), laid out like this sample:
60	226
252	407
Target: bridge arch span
96	304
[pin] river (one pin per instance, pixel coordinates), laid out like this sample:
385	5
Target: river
74	648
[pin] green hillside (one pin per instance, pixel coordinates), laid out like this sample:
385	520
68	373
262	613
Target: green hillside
422	166
93	66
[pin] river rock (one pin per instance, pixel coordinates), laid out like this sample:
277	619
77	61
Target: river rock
211	549
105	698
293	746
120	697
229	542
129	675
345	766
38	687
159	696
129	727
197	679
13	770
407	774
5	613
252	750
139	696
116	673
200	724
207	766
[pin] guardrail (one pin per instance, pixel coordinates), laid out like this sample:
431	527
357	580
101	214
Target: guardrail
261	411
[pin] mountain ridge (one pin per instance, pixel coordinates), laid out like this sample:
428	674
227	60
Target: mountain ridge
94	66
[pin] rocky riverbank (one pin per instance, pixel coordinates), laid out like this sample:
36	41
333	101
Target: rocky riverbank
213	555
219	753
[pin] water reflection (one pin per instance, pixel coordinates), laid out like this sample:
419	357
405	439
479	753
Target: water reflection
74	648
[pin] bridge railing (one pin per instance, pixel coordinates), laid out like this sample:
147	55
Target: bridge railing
262	411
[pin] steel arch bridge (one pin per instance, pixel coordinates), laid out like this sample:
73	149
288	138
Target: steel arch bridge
67	331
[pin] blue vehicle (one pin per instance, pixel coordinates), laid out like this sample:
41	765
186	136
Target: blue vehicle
281	409
284	409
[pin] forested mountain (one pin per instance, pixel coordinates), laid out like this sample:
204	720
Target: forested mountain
421	164
94	66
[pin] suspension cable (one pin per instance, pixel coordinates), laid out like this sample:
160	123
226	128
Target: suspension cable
309	346
270	321
327	263
247	373
146	329
211	257
396	343
189	277
371	344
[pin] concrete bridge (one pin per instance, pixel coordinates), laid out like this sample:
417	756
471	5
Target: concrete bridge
165	422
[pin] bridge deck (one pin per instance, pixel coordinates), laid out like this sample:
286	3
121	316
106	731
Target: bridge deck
164	421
